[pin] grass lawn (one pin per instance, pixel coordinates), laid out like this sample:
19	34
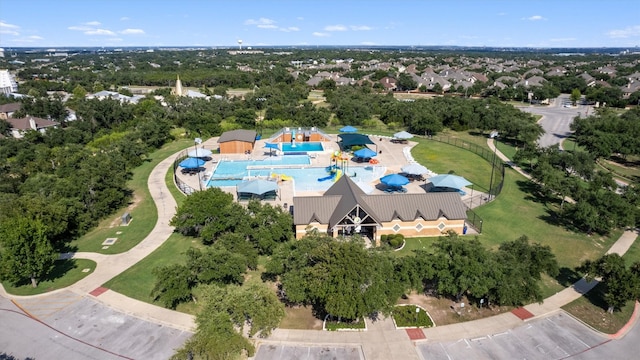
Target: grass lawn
138	281
516	212
443	158
65	273
142	209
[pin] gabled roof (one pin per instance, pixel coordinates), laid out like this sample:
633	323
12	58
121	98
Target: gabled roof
25	123
238	135
345	195
11	107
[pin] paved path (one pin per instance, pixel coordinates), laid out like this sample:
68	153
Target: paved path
381	341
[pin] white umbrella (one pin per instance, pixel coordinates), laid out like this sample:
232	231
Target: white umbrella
414	169
402	135
200	153
368	189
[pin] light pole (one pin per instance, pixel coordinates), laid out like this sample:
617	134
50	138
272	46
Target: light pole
196	142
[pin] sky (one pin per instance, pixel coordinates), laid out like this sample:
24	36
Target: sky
222	23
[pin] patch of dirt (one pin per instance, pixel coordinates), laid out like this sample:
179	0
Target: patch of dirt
132	205
300	317
444	311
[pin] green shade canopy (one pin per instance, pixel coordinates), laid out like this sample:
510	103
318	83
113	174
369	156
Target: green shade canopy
349	140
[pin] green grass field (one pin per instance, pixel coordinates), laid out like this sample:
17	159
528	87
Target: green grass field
591	308
143	210
65	273
138	281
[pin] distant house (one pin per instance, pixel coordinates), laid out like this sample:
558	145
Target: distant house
7	110
237	141
388	83
22	125
590	80
346	209
532	81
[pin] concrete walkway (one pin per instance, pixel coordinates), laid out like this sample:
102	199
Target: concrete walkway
381	341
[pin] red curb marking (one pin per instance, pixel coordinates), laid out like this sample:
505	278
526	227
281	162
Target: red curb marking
415	334
522	313
629	323
98	291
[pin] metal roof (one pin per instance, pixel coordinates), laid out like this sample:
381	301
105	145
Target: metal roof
238	135
344	195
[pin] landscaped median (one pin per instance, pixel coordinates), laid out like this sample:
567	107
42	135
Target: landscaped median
330	323
408	316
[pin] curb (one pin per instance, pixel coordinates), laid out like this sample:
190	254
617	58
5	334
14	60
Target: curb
632	320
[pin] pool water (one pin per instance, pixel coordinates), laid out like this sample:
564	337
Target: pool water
303	146
230	173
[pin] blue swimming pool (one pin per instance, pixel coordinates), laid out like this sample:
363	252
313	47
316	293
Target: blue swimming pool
230	173
303	146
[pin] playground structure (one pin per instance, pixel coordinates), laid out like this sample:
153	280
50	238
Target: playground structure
338	166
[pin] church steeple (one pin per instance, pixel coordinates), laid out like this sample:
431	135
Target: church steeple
178	89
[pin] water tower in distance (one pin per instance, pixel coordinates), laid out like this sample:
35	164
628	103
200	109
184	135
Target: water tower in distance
240	43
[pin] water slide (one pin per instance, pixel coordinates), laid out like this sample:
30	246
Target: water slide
335	175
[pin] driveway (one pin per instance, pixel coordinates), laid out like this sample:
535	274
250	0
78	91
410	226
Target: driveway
556	119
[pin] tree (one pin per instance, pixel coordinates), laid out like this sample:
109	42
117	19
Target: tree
619	281
203	208
462	267
26	250
340	278
575	96
521	266
173	285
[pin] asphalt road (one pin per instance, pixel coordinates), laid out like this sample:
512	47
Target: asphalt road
556	119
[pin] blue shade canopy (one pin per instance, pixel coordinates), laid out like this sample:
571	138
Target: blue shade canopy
365	153
394	180
414	169
402	135
200	152
191	163
348	128
450	181
271	146
257	186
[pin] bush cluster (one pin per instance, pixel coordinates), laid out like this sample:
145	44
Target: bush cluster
393	240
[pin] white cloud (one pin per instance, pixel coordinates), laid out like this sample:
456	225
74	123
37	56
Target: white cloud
267	26
502	13
300	18
35	37
629	31
360	28
132	32
4	25
368	43
335	28
261	21
9	32
534	18
125	18
92	23
320	34
100	32
290	29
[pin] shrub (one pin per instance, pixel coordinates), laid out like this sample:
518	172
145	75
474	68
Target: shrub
405	316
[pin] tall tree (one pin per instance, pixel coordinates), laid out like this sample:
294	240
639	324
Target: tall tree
26	253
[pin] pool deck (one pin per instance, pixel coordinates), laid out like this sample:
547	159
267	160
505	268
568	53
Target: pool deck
391	157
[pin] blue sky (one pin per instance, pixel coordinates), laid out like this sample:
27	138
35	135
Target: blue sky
521	23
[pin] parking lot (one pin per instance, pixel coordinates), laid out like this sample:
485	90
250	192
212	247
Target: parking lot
555	337
69	326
